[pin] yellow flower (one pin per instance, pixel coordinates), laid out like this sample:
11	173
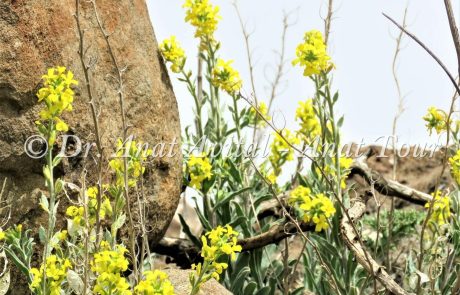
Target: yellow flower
271	177
173	53
299	194
316	209
345	164
455	166
62	236
310	127
136	154
330	170
56	272
199	168
219	243
108	264
257	118
92	192
57	96
2	235
435	119
77	213
281	151
203	16
225	77
440	213
155	283
312	54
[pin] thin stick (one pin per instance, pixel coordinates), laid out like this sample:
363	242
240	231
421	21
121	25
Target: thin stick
328	21
399	112
121	97
89	90
453	30
440	63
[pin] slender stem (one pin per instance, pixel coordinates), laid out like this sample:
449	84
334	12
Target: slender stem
199	94
399	112
85	68
121	98
328	21
436	58
51	214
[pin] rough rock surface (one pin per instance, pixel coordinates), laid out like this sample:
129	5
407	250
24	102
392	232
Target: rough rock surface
39	34
180	280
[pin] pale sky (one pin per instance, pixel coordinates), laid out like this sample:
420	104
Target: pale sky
361	46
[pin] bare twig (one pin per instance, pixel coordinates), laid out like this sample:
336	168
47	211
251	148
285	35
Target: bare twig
399	112
121	96
440	63
328	21
95	117
388	187
453	30
281	63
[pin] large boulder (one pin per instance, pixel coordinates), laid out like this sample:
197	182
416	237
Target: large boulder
39	34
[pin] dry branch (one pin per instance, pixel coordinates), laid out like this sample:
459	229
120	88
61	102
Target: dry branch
453	30
184	250
351	240
388	187
434	56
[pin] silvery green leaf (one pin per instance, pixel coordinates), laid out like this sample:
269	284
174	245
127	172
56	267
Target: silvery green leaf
118	223
58	185
44	203
75	282
42	234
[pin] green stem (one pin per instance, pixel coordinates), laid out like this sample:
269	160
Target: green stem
197	284
51	217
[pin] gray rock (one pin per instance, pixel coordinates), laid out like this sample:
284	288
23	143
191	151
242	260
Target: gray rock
39	34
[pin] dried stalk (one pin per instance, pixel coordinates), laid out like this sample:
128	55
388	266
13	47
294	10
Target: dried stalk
121	98
399	112
94	115
328	21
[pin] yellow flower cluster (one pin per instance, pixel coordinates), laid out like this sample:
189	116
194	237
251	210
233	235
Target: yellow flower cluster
441	209
203	16
435	119
136	155
226	77
345	164
55	270
455	166
310	127
255	118
315	208
199	168
57	95
173	53
281	151
155	283
312	54
77	213
108	264
217	244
